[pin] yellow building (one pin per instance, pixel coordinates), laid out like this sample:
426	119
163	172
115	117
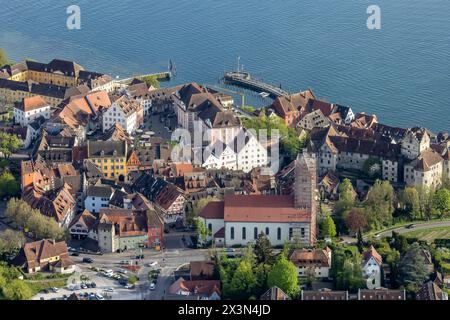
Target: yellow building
110	157
56	72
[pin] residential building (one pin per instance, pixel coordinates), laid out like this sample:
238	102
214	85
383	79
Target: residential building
312	262
274	293
122	229
289	108
84	226
98	197
200	289
371	266
381	294
31	109
45	255
125	111
324	294
431	291
57	204
168	199
110	157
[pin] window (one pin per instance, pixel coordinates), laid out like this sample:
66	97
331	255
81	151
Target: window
267	231
255	233
232	233
279	233
210	227
244	233
302	232
290	233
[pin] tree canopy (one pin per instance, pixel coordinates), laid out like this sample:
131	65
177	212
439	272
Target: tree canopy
42	227
8	185
9	143
411	268
284	276
152	81
380	204
328	228
263	250
441	201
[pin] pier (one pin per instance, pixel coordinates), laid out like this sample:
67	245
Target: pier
243	79
160	76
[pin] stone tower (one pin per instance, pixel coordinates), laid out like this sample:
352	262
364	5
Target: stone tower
305	188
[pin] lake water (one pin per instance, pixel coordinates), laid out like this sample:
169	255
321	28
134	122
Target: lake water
401	72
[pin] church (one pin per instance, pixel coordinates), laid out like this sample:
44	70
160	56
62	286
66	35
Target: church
239	219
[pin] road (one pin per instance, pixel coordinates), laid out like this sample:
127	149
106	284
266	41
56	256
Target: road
417	226
168	260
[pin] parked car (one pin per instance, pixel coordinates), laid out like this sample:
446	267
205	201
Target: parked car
75	254
140	256
88	260
83	286
54	289
410	226
129	286
111	289
93	285
152	286
152	264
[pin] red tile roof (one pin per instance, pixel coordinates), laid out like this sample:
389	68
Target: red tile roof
267	208
213	210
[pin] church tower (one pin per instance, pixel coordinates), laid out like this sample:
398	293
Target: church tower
305	188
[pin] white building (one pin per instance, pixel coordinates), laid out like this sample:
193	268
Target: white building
219	155
244	153
98	197
371	268
126	112
30	109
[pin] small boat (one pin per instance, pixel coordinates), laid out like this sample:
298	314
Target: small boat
264	94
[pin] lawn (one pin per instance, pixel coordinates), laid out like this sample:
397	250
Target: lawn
37	286
430	234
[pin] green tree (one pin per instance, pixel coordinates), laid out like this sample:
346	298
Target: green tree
411	268
380	204
328	228
202	230
243	282
345	203
284	276
290	143
346	269
372	167
263	250
17	290
132	279
10	242
8	185
152	81
9	143
410	202
441	202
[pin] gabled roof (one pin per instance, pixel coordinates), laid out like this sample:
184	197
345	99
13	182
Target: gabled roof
307	258
86	219
32	103
371	252
106	149
213	210
426	160
263	208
